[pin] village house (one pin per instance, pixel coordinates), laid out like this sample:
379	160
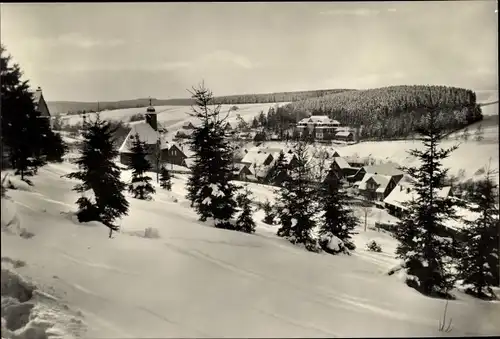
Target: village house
241	172
375	186
387	169
404	192
147	131
344	136
258	162
175	155
341	167
321	125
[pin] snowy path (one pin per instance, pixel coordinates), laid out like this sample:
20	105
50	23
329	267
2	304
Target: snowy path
196	281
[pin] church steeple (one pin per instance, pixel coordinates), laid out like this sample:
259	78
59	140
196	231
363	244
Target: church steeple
150	109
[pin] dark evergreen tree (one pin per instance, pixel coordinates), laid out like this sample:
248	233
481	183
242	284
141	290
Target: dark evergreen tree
296	209
245	222
210	189
140	186
279	171
100	176
427	256
22	132
269	213
255	123
54	147
478	260
337	219
165	179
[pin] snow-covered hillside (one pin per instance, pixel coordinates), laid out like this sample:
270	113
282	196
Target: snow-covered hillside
198	281
172	117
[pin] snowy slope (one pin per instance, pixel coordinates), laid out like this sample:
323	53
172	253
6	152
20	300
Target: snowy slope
172	117
197	281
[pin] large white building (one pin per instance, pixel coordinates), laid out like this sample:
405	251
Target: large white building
321	125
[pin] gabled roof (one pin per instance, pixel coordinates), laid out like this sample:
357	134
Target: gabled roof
37	96
187	124
389	169
381	180
319	119
343	133
146	134
403	193
255	158
341	162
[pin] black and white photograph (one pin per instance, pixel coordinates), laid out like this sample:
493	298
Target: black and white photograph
249	169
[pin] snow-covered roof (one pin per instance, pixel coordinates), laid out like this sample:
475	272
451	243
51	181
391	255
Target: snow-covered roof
389	169
341	162
404	192
319	119
381	180
188	124
255	158
146	134
343	133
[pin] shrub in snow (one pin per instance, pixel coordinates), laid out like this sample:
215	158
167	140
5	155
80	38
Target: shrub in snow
332	244
269	213
373	246
245	222
151	233
165	179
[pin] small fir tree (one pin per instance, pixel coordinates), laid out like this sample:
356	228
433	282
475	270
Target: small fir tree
279	171
296	208
100	176
209	187
140	186
245	222
478	258
165	179
269	213
337	219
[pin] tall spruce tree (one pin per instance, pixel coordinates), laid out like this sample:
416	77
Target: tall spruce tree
478	260
337	218
165	179
245	222
296	209
140	186
22	127
279	171
209	187
100	176
427	256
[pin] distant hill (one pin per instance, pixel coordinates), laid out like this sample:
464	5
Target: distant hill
75	106
395	111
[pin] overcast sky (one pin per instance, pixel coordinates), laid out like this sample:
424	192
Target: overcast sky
111	51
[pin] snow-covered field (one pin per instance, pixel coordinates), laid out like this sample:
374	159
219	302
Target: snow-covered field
172	117
198	281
